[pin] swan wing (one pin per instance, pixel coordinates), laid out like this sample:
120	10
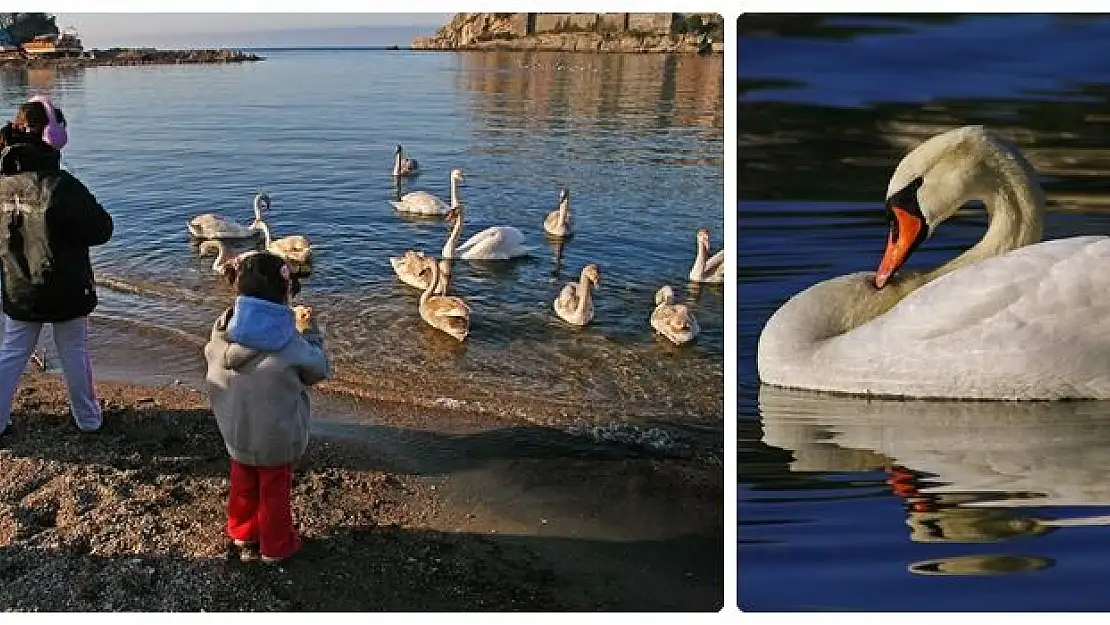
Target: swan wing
494	243
420	202
716	264
1031	324
447	306
568	297
210	226
408	268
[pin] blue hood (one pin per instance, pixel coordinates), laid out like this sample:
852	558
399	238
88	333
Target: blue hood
262	325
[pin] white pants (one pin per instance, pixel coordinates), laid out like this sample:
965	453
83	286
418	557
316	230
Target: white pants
72	340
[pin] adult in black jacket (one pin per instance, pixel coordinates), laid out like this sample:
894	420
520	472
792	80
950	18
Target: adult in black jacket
48	221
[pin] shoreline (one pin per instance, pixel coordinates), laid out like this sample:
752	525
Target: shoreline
115	57
407	508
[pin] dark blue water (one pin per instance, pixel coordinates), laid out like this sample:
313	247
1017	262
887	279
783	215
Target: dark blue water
855	504
637	139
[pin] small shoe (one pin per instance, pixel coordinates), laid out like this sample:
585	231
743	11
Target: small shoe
89	429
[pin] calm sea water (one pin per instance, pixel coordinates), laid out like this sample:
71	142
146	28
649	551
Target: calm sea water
637	139
855	504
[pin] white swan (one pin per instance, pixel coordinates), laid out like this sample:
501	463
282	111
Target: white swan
410	269
493	243
574	304
210	226
1005	320
674	321
403	166
707	268
295	249
424	203
557	222
443	312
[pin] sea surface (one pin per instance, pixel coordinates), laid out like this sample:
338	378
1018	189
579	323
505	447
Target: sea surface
886	505
637	139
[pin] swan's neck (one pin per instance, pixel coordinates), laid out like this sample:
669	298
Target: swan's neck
564	209
432	282
1014	219
700	258
454	193
265	231
257	210
456	232
397	163
221	258
583	294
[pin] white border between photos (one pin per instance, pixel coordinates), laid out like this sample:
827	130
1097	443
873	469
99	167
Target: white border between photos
730	11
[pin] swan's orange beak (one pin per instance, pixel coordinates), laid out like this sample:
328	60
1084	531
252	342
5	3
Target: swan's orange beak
907	230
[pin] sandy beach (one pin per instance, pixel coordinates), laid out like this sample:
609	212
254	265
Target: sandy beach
403	508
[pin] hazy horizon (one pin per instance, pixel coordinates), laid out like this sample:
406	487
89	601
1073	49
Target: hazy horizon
249	30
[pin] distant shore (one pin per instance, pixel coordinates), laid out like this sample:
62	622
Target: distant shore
133	56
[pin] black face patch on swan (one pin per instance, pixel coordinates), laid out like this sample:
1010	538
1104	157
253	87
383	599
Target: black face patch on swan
906	198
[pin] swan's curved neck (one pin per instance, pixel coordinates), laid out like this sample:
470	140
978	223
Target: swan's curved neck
397	163
1015	216
265	230
433	281
454	192
564	209
221	258
583	293
258	208
456	232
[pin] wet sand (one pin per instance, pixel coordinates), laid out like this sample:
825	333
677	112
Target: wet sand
403	507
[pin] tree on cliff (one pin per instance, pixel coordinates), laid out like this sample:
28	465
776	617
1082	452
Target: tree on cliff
22	27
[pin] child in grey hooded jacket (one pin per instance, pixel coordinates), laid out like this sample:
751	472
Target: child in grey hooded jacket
262	357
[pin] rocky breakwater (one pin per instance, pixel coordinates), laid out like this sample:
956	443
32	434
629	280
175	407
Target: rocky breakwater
580	32
133	56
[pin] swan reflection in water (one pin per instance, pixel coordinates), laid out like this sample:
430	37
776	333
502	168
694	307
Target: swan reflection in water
966	471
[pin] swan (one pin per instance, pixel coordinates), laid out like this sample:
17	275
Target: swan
674	321
210	226
707	268
223	256
295	249
410	269
574	304
493	243
403	166
557	223
1010	318
424	203
443	312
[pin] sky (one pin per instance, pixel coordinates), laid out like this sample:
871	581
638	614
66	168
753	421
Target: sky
170	30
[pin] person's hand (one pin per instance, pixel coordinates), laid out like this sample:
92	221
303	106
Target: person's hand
303	317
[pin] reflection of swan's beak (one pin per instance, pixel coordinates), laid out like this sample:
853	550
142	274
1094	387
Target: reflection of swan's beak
981	564
907	231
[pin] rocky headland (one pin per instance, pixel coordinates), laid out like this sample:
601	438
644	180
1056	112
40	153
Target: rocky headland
688	33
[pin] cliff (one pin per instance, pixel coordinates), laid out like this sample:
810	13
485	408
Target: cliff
580	32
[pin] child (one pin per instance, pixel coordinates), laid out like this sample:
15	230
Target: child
262	356
48	221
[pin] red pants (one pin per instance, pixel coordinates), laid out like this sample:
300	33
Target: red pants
258	508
